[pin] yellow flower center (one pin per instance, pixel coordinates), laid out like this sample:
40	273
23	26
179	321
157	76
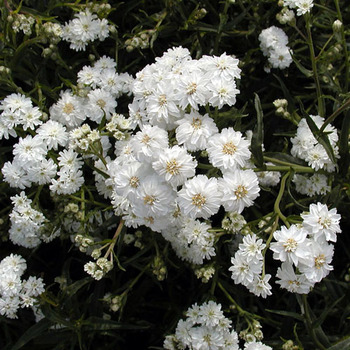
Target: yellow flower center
198	200
240	192
68	108
172	167
229	148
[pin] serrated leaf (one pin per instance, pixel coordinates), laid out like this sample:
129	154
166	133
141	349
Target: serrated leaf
258	134
33	332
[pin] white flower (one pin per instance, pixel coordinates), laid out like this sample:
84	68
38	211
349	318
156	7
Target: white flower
244	270
148	143
42	172
53	134
199	197
252	247
29	150
256	346
239	188
273	43
303	6
222	92
194	131
323	224
224	67
100	103
192	90
153	198
68	110
210	314
293	282
317	266
161	106
260	286
228	149
205	338
175	165
15	175
291	244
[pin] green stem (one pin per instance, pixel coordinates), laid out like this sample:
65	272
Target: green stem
223	20
283	168
228	296
306	312
273	229
83	200
278	200
115	237
320	102
343	39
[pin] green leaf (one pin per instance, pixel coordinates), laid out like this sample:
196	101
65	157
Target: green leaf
322	138
325	312
258	134
342	345
100	324
344	145
33	332
287	313
286	93
308	73
74	287
285	158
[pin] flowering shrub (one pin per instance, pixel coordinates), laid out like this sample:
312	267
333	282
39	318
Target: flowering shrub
175	175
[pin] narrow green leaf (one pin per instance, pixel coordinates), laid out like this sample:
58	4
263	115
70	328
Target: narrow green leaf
100	324
342	345
318	322
286	93
308	73
33	332
286	313
322	138
344	145
285	158
258	134
74	287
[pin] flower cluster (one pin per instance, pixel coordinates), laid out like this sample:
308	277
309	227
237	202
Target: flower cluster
28	225
302	6
15	292
304	249
206	327
247	266
305	145
274	45
83	29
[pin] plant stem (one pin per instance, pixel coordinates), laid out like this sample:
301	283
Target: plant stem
278	200
343	39
306	312
320	102
295	167
115	237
